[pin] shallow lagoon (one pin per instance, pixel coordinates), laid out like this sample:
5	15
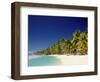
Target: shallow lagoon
45	60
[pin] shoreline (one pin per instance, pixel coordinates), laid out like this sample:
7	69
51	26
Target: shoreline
68	59
72	59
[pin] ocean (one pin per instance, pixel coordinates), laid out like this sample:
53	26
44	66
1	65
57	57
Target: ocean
45	60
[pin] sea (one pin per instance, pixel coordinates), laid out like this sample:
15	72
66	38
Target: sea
44	60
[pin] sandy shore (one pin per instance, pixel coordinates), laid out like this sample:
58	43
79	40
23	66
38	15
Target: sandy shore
73	60
63	59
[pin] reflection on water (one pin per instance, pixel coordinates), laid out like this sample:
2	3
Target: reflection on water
43	61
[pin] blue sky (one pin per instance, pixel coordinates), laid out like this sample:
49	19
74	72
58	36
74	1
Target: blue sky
44	31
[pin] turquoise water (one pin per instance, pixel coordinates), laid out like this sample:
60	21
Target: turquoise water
43	61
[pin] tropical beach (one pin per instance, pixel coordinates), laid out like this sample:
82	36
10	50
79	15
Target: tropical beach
58	60
57	40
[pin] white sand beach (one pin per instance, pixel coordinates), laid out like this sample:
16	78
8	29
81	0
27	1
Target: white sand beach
73	59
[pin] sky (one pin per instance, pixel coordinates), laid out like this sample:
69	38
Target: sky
44	31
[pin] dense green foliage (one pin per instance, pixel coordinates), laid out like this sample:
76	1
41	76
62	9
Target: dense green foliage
77	45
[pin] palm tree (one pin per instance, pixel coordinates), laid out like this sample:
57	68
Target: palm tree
62	45
47	51
58	47
68	47
77	45
74	42
82	44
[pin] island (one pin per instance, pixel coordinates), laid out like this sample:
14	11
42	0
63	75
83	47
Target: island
77	45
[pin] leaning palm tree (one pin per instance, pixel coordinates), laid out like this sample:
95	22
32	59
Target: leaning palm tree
68	47
82	45
62	45
58	47
74	42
